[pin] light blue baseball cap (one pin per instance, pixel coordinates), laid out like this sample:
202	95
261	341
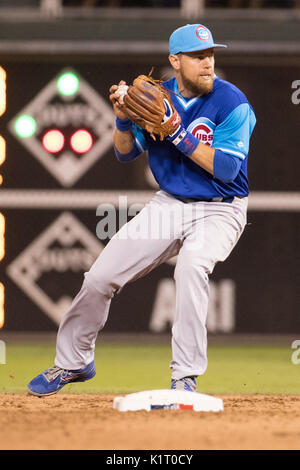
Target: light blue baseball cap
190	38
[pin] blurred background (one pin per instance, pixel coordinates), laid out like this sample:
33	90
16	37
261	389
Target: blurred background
58	60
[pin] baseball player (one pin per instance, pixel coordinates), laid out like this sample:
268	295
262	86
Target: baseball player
201	170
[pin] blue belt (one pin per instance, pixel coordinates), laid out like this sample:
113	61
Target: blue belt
214	199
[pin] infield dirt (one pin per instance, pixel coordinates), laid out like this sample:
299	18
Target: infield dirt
84	422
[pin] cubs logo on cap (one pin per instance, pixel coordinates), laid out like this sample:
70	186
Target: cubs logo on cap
190	38
202	33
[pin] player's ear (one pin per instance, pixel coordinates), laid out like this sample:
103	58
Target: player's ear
174	61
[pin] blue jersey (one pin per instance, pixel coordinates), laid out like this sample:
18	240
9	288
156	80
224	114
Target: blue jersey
222	119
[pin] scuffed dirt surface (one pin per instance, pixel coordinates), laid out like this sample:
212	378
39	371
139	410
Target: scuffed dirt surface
84	422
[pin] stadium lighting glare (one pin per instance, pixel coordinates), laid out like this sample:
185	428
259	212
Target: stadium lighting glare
81	141
53	141
25	126
68	84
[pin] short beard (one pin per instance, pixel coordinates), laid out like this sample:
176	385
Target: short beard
195	88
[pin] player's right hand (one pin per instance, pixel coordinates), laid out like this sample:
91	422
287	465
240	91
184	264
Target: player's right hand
115	99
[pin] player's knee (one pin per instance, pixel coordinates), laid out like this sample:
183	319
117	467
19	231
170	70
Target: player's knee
191	270
101	282
188	264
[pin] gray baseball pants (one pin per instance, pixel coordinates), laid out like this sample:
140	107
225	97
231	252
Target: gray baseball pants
200	233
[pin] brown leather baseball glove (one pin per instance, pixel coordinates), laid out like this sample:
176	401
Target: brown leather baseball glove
148	104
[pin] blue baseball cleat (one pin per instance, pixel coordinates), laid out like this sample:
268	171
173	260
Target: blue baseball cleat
187	384
54	379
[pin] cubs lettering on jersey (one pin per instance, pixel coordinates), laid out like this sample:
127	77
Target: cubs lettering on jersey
223	119
203	129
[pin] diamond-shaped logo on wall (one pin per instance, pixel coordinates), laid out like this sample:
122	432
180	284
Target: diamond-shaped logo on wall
65	248
68	126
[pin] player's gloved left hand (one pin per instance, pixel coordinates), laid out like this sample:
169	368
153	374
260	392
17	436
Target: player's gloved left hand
148	104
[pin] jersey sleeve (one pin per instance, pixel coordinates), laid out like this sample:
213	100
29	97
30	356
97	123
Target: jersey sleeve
232	135
139	138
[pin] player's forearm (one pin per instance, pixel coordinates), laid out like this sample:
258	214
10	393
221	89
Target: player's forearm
220	165
190	146
204	157
123	141
125	146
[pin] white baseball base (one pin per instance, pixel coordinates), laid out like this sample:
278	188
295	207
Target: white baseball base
168	400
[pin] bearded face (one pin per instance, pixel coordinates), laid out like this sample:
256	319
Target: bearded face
195	72
200	85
